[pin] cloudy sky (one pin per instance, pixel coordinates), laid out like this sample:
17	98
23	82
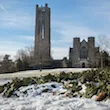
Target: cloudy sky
69	18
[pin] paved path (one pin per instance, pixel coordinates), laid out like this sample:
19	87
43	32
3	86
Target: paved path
37	73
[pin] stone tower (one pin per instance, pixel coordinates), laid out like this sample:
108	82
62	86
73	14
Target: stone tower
84	53
76	50
42	35
91	52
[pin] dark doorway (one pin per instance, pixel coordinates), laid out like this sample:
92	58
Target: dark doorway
83	65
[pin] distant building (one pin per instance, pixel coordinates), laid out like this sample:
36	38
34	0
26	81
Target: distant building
42	36
84	54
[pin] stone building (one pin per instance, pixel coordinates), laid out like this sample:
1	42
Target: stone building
42	36
84	54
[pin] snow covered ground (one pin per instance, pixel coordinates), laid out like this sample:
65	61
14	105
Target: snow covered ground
33	73
47	96
50	102
36	98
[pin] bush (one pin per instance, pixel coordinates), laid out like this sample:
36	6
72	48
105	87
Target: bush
91	90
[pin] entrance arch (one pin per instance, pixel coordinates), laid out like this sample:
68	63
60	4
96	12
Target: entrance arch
83	65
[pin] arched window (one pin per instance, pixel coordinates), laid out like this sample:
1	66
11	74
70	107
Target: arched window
84	53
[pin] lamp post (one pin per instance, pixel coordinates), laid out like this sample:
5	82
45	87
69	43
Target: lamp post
40	63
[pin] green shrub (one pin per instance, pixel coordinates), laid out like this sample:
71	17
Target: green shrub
49	78
1	89
91	90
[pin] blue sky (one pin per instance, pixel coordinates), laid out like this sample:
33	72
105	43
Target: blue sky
69	18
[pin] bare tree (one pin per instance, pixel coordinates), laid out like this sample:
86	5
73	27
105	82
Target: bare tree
7	65
104	43
24	58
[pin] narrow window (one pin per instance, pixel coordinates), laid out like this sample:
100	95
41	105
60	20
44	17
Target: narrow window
84	53
42	31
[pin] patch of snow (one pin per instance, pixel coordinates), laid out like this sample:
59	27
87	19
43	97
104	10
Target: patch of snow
83	88
36	99
49	102
34	90
4	81
94	97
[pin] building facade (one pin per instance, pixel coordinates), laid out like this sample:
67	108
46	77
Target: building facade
84	54
42	36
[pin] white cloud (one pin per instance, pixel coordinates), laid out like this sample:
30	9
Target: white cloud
59	52
11	47
3	8
16	18
99	10
28	38
17	21
68	30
